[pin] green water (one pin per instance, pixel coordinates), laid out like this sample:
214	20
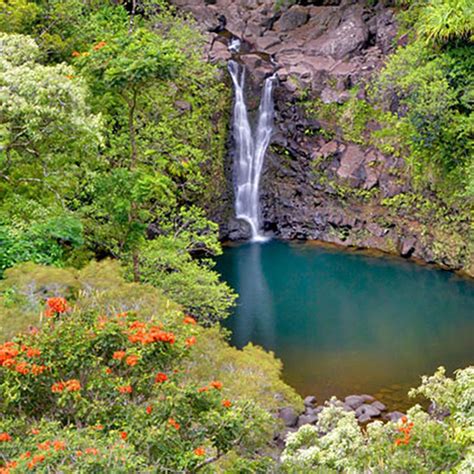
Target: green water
346	323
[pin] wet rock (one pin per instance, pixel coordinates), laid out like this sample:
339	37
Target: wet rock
364	418
289	416
307	420
368	410
408	246
219	53
394	415
378	405
239	229
354	401
310	401
368	398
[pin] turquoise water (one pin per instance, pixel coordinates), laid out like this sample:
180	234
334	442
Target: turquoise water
345	323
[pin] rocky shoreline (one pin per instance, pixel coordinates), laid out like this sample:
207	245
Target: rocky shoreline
365	407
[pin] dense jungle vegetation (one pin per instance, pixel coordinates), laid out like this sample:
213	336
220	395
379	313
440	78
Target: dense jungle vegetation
112	138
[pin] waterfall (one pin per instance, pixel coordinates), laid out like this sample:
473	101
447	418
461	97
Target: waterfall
251	148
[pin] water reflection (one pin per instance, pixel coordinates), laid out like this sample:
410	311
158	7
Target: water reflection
254	311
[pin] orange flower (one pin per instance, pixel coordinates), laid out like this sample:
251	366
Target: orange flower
404	419
38	369
9	363
73	385
119	355
226	403
25	455
132	360
78	454
149	409
172	422
123	435
33	352
122	315
44	446
59	445
76	54
161	377
100	45
108	370
5	437
125	389
200	451
35	431
189	320
36	459
190	341
203	389
69	76
91	451
217	385
57	387
22	368
99	427
57	304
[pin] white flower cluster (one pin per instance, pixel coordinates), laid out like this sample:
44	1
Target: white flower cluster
418	442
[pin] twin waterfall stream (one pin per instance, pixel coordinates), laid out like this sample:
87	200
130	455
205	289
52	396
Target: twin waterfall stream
250	149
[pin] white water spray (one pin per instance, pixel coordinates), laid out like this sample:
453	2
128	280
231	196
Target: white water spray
251	148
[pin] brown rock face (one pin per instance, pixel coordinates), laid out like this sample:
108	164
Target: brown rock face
311	43
316	188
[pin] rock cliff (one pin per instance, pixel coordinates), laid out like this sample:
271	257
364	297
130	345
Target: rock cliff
317	185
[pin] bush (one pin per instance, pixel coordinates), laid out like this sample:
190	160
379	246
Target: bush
91	392
418	442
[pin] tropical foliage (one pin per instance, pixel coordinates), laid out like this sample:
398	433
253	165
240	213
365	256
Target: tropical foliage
417	442
95	391
133	117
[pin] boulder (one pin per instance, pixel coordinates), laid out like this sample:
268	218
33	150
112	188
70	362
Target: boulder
289	416
310	401
350	166
294	17
407	246
219	52
394	415
349	37
364	418
368	410
378	405
354	401
307	420
239	229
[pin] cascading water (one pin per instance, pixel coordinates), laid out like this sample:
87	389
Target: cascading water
251	148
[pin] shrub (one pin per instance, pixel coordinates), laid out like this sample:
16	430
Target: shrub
91	392
418	442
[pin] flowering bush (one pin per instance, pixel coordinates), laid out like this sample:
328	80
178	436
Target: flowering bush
418	442
90	391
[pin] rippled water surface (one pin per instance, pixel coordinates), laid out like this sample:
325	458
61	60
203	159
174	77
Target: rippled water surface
347	323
